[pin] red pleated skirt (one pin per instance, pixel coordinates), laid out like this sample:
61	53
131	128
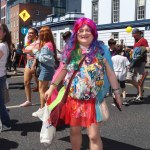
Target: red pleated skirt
80	112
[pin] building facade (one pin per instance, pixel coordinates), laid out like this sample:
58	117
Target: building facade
59	25
38	10
16	23
63	23
114	16
3	5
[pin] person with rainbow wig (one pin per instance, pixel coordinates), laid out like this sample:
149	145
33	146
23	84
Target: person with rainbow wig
90	84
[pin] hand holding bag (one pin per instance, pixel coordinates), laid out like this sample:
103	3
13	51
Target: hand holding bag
51	114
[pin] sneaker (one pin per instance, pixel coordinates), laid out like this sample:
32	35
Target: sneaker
138	100
25	104
15	73
38	113
5	128
125	102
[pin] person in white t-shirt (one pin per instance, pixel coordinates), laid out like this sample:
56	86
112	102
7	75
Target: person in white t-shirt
120	64
5	43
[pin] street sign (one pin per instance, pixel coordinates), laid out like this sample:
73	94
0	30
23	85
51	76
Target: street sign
24	15
24	30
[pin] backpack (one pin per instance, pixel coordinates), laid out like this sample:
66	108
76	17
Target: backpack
139	53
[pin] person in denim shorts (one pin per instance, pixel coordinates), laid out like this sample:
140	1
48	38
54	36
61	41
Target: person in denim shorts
47	58
29	71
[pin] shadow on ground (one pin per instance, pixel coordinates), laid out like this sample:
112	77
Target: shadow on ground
18	85
7	144
107	143
146	101
26	127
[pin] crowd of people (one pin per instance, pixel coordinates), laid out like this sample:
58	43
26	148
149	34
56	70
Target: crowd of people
129	64
96	66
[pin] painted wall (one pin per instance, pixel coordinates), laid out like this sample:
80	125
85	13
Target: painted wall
127	10
147	9
86	8
127	13
104	12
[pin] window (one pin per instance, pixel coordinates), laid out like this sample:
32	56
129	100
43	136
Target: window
54	35
95	11
14	24
17	35
37	12
14	35
140	9
115	36
3	12
59	7
61	41
3	20
17	23
115	11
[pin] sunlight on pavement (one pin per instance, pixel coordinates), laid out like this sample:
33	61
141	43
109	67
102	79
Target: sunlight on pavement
17	106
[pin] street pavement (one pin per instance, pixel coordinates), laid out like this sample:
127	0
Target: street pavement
125	130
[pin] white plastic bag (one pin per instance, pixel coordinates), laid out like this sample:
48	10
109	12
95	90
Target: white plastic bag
47	131
47	134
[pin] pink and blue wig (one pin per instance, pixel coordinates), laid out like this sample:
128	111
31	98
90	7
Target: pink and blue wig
72	44
85	21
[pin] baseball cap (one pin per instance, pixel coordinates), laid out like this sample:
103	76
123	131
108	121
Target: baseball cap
135	30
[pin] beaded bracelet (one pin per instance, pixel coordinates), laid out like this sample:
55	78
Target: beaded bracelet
116	91
54	84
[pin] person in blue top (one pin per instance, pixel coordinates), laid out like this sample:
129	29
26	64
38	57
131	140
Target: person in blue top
47	58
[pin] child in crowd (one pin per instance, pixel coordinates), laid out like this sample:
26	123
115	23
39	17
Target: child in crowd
120	64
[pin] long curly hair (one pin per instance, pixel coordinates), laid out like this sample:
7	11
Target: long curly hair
45	36
73	43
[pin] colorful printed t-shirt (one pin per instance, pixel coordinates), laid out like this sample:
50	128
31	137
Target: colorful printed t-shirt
89	79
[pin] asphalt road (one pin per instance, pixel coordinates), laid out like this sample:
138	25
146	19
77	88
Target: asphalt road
126	130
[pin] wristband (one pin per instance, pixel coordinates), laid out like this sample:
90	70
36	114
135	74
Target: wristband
116	91
54	84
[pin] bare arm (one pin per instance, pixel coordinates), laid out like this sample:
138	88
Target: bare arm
113	82
30	48
148	49
59	76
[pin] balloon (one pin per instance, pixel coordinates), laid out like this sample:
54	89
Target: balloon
129	29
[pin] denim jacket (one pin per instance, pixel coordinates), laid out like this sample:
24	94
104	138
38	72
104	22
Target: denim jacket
45	56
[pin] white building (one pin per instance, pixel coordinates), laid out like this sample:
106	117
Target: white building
111	16
114	16
59	25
